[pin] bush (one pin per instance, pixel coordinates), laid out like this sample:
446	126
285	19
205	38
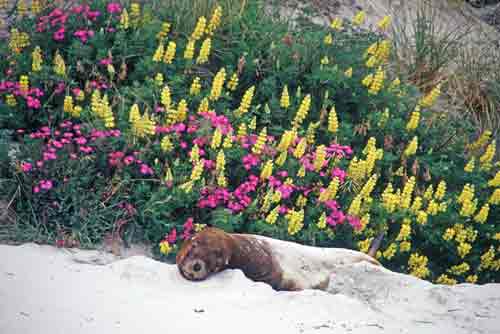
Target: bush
301	134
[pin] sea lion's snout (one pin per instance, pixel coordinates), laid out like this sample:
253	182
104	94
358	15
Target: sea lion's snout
194	270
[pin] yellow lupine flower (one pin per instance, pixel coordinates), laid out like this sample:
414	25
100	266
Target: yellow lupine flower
422	217
495	181
22	8
359	18
384	23
430	98
165	29
124	19
59	65
135	14
471	279
281	158
204	106
253	123
411	149
214	20
390	251
321	224
445	279
295	221
218	84
331	191
468	208
414	119
199	28
418	265
482	215
325	60
285	98
158	55
440	191
467	193
487	259
463	249
333	122
165	247
182	111
407	192
159	79
355	206
300	149
242	130
371	62
367	81
469	167
36	7
166	99
166	144
261	141
273	215
233	82
337	24
405	231
286	140
189	51
495	197
459	269
368	187
37	60
267	170
348	72
216	139
24	83
204	51
246	101
405	246
449	234
486	159
195	87
417	204
377	82
302	111
68	104
170	53
481	141
18	40
320	157
197	171
364	245
328	40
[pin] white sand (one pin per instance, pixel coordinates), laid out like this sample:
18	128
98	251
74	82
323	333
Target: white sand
45	290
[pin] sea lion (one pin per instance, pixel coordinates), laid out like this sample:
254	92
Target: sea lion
284	265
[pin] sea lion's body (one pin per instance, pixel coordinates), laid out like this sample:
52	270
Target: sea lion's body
282	264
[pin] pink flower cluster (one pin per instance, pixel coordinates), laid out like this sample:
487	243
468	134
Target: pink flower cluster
119	159
336	216
31	96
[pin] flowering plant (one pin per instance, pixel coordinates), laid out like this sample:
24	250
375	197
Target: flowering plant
311	140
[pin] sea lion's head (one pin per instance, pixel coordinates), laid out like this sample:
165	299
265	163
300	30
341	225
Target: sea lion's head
205	253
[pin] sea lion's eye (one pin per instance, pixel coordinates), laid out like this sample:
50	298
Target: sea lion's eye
197	267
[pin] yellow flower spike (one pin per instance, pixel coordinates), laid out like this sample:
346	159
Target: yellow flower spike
469	167
36	7
199	28
165	247
405	231
222	180
384	23
286	140
22	8
165	29
367	81
377	82
328	40
355	206
170	53
267	170
487	259
77	110
285	98
440	191
189	51
428	100
295	221
320	158
411	149
495	197
36	56
414	119
272	217
311	132
324	60
371	62
216	139
68	104
228	141
331	192
253	123
467	193
166	99
463	249
281	158
417	264
220	162
246	101
204	106
242	130
432	208
394	85
301	172
390	251
368	187
495	181
482	215
422	217
214	21
24	83
300	149
204	52
337	24
302	111
124	19
197	171
481	141
59	65
407	193
348	72
471	279
359	18
405	246
159	79
158	55
444	279
182	111
233	82
218	84
166	144
260	143
364	245
333	122
486	159
195	87
321	224
449	234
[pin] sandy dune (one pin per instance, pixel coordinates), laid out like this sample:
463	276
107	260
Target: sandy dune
49	290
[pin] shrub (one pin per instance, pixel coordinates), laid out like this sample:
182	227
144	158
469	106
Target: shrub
301	134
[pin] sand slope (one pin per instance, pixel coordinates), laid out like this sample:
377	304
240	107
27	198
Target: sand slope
49	290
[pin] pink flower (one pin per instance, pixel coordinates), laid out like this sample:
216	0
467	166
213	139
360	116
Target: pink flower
46	184
81	140
146	170
33	103
354	222
61	86
26	167
187	228
250	160
36	189
114	8
341	174
128	160
59	34
106	61
172	236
